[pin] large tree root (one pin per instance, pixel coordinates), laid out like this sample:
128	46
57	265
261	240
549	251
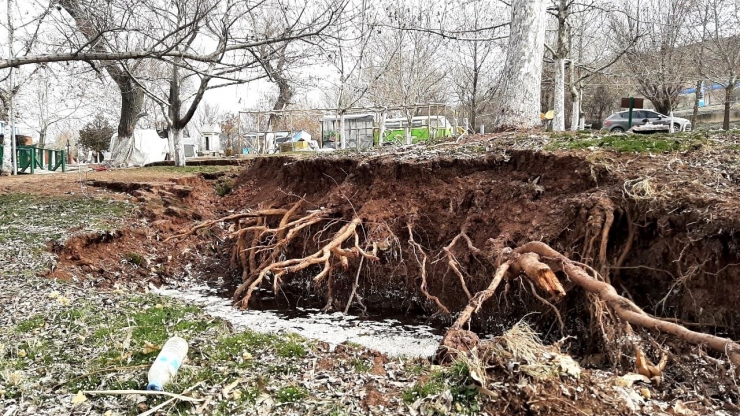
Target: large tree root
235	217
521	261
326	255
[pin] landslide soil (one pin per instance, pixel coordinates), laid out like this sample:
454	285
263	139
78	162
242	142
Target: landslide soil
672	245
681	260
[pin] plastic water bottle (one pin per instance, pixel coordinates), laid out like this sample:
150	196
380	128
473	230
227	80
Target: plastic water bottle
167	363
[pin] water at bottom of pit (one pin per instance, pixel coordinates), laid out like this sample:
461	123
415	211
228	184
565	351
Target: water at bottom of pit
386	335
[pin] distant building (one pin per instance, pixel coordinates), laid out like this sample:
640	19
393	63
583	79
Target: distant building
211	138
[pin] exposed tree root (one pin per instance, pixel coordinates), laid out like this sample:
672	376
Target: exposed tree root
234	217
626	309
331	251
423	264
525	260
627	244
453	263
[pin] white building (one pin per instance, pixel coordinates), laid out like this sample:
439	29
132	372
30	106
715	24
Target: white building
211	138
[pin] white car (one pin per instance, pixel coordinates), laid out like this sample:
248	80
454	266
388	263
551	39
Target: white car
619	122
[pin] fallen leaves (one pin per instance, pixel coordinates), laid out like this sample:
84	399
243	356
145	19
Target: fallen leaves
150	348
79	398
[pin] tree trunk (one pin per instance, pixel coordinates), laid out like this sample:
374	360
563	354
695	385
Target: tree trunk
697	96
728	99
6	166
519	100
174	137
558	122
285	94
575	99
132	96
342	136
132	102
409	118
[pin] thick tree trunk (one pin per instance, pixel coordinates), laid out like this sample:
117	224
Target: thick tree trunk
558	122
409	118
285	94
697	97
728	100
575	115
519	101
132	96
6	165
342	136
575	98
174	138
132	102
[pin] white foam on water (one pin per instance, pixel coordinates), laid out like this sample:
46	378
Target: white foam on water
385	336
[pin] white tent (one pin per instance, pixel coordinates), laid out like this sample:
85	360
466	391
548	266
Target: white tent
145	147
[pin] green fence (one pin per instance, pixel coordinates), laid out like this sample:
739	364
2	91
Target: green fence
31	157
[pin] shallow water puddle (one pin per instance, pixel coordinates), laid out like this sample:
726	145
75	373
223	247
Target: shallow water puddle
387	336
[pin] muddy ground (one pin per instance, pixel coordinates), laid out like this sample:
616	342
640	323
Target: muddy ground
656	216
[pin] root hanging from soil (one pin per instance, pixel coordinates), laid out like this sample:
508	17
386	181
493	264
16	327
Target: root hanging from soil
326	255
452	262
423	265
525	260
626	309
234	217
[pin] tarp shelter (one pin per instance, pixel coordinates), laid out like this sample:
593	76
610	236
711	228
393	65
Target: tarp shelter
145	147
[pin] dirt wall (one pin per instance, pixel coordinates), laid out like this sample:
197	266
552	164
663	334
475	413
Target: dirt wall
672	267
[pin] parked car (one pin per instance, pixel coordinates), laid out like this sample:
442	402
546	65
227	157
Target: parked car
619	122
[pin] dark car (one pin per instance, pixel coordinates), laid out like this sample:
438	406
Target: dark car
619	122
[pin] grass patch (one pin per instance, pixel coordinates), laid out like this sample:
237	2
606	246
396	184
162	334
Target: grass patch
423	389
635	143
293	348
290	394
135	259
360	365
224	187
34	322
456	379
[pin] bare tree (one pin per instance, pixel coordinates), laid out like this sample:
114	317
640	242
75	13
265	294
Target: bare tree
476	68
657	63
405	67
518	103
719	49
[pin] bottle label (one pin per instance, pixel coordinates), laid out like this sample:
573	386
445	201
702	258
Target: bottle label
171	361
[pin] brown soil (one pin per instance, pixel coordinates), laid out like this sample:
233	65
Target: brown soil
662	229
508	200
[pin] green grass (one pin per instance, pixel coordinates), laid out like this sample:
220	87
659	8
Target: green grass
292	348
456	379
135	259
36	321
290	394
224	187
637	143
360	365
423	389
